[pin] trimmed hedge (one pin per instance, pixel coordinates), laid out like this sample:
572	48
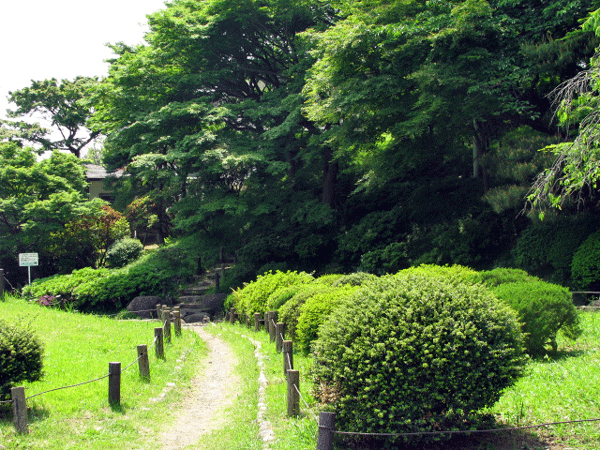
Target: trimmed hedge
21	355
289	313
544	309
252	298
315	311
123	252
412	353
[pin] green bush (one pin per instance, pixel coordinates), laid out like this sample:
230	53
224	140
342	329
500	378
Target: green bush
585	268
282	294
390	259
329	279
413	353
502	275
354	279
20	357
123	252
543	309
455	274
315	311
109	290
252	298
289	313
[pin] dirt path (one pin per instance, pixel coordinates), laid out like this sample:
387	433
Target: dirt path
212	391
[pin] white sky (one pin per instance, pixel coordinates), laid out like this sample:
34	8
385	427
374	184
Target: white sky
42	39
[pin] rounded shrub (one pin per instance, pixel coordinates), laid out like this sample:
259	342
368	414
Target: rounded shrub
123	251
252	298
289	313
315	311
544	309
416	353
20	357
453	274
502	275
585	267
354	279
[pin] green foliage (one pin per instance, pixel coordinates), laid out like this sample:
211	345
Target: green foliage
455	274
108	290
21	354
253	297
123	252
328	279
414	353
544	309
546	248
390	259
354	279
496	277
315	311
585	268
289	313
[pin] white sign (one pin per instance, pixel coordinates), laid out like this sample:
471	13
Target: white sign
28	259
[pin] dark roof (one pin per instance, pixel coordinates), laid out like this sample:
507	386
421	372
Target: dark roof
97	172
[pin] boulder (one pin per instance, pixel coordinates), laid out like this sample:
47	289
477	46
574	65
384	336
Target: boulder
197	317
145	306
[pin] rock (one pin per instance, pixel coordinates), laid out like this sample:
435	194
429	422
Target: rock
197	317
208	303
145	306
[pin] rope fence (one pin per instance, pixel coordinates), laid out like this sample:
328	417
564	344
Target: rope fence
326	420
19	400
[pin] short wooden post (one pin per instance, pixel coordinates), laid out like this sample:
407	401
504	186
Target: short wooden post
2	285
159	312
267	320
256	321
293	393
217	281
159	347
279	335
114	383
143	362
326	429
166	324
177	322
272	320
288	356
19	409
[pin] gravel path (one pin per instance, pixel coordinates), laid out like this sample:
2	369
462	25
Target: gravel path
212	391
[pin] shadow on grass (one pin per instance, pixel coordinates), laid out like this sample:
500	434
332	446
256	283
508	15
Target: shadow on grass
34	414
501	440
560	355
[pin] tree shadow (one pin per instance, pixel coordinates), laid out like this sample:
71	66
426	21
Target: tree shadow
34	414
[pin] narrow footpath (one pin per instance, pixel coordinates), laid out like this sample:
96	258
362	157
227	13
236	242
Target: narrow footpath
212	392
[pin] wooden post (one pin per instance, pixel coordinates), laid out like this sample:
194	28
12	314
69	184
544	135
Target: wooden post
326	429
114	383
159	312
177	324
267	317
293	395
272	320
217	281
2	285
159	348
288	356
143	362
256	321
19	409
167	324
279	336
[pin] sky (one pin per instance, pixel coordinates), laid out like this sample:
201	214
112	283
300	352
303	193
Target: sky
63	39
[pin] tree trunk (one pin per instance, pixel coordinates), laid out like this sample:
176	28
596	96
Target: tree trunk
330	173
481	146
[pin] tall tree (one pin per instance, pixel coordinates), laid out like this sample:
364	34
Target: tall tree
62	105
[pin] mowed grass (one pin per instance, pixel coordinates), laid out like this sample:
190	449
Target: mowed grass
563	388
79	348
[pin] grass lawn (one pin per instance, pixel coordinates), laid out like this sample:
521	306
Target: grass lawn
78	348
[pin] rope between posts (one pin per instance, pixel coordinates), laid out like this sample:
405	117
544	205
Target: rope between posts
70	386
131	363
306	404
432	433
6	402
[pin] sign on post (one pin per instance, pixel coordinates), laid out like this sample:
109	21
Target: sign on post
28	260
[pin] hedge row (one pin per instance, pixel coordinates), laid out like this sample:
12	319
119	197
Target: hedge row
428	347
